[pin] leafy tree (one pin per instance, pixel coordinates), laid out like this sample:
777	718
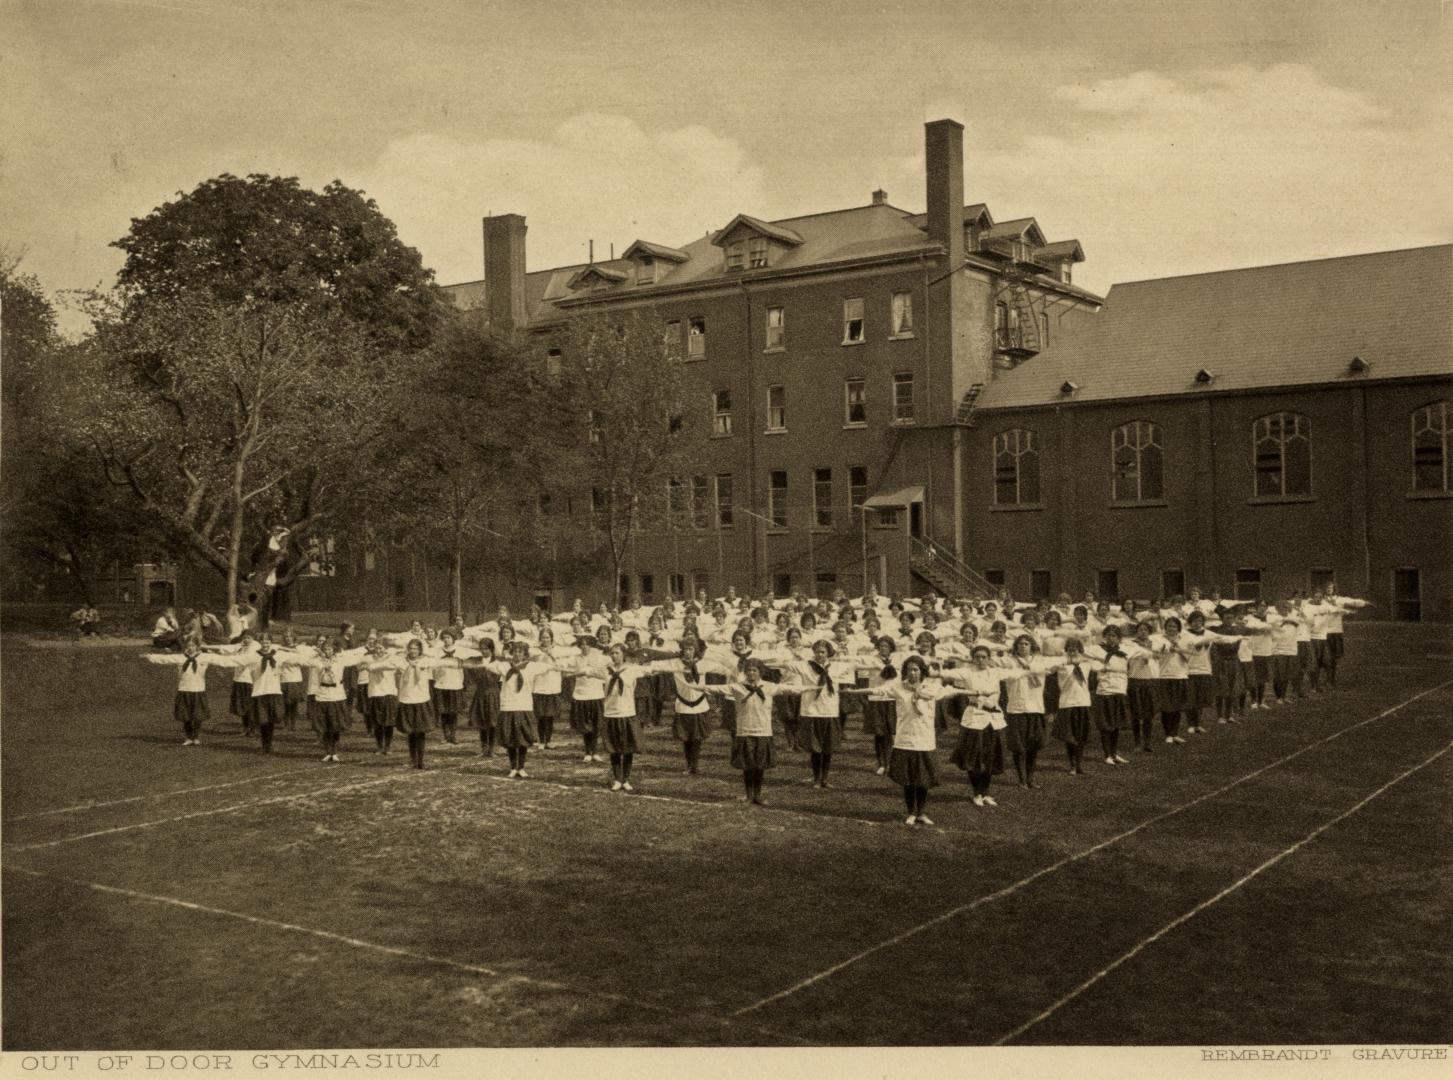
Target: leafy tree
248	354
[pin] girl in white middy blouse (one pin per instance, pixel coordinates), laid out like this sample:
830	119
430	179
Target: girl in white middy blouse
752	750
189	708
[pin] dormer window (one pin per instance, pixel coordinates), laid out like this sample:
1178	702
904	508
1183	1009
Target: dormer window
757	252
646	270
736	255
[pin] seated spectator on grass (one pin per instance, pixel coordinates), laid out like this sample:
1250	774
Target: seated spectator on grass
87	620
167	633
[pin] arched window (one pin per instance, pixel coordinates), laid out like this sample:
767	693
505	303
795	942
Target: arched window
1016	467
1430	447
1281	454
1137	463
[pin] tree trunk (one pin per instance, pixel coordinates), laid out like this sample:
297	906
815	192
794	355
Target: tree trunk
82	579
456	584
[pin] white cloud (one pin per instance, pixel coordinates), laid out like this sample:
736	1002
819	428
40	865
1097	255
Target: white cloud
595	176
1228	167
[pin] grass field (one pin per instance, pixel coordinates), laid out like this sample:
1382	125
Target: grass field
1284	880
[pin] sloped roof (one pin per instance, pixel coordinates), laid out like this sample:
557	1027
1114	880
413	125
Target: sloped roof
1027	228
1061	249
607	272
835	236
1289	325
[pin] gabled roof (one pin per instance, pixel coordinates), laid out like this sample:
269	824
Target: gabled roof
974	213
1018	229
757	225
608	275
1296	324
1062	249
656	251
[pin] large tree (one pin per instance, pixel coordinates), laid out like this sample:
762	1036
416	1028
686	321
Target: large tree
253	339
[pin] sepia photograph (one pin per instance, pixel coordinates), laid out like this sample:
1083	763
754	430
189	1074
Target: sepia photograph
681	538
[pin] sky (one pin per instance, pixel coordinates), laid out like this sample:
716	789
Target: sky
1168	138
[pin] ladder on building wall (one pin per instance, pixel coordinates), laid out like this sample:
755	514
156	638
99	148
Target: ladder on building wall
964	414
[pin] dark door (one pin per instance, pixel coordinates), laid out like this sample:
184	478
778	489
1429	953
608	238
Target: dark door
1407	595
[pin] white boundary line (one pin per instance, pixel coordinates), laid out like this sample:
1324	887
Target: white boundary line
402	774
1068	860
705	1009
82	807
1204	904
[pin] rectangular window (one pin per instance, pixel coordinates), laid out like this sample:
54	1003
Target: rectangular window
777	498
903	397
781	584
1407	595
1248	583
757	252
776	328
369	559
599	504
855	403
700	582
646	271
888	518
1321	577
721	408
736	255
1001	325
902	314
853	321
696	337
1172	583
724	500
1044	330
673	339
1040	584
1107	584
822	498
700	502
552	363
826	583
994	578
593	426
648	585
776	408
857	485
678	584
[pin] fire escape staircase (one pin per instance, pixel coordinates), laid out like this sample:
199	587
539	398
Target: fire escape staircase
946	574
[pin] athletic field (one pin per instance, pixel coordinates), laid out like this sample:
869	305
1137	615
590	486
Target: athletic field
1284	880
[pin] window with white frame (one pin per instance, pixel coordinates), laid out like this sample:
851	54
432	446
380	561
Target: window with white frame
903	397
721	413
696	337
1281	455
777	498
1430	447
822	498
776	328
1016	468
776	408
902	314
855	403
736	255
757	252
1137	463
853	330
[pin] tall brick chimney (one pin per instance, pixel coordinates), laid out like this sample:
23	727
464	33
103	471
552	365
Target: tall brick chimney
944	161
504	270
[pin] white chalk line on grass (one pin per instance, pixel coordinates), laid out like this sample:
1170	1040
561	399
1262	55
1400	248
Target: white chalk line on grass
393	950
402	774
82	807
1204	904
1068	860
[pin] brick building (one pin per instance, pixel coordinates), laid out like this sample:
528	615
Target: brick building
1257	430
829	361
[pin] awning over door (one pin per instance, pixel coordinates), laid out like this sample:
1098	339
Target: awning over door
890	500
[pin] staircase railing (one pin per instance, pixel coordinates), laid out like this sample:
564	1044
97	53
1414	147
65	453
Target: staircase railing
947	561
